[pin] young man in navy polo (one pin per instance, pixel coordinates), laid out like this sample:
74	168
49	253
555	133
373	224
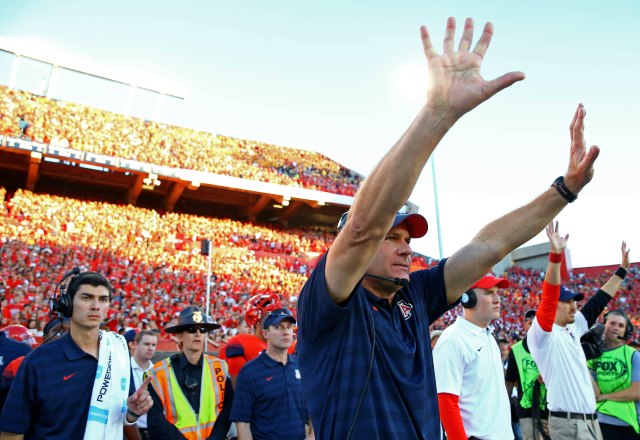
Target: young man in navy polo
52	393
268	402
363	339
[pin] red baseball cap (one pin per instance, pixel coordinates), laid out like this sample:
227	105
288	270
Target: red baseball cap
416	224
489	281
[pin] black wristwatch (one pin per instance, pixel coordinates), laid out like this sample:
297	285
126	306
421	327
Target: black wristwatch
566	194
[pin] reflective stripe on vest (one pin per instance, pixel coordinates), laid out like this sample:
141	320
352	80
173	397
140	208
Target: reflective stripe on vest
613	373
177	409
528	371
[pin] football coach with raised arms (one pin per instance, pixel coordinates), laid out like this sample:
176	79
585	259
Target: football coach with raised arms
365	357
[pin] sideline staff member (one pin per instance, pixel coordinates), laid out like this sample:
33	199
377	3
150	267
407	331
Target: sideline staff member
554	341
363	340
268	400
192	391
469	370
144	348
523	372
617	373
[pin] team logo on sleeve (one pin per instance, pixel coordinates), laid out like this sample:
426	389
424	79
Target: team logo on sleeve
406	309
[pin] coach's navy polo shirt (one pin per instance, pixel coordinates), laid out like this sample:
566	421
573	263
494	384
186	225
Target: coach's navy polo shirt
335	343
50	395
268	395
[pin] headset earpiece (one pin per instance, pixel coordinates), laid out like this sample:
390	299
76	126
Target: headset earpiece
62	302
469	299
629	329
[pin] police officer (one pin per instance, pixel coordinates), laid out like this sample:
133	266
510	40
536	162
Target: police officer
192	391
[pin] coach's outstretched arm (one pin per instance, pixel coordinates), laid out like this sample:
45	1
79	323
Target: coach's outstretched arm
503	235
455	87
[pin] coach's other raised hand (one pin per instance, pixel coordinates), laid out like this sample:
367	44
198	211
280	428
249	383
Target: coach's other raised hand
580	171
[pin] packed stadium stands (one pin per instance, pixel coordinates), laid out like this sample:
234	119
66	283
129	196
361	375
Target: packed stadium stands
85	128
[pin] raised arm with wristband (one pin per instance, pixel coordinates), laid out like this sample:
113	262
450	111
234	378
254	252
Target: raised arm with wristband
554	341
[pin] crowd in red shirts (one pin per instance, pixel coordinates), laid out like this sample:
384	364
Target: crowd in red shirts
525	294
84	128
153	260
155	264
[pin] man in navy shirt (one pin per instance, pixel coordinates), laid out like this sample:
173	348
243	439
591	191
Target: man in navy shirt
365	357
50	396
268	401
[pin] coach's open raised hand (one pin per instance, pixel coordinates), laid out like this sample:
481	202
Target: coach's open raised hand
580	171
455	85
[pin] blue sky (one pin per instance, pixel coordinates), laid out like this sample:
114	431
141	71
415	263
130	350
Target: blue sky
347	78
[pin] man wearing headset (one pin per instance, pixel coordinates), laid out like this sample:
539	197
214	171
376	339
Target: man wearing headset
617	372
76	386
362	312
469	371
554	343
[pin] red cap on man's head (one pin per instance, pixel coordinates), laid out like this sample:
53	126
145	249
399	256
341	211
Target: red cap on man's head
489	281
416	224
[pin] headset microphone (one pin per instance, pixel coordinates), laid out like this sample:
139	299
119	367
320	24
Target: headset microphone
399	281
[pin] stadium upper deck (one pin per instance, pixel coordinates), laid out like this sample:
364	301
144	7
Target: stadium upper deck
89	129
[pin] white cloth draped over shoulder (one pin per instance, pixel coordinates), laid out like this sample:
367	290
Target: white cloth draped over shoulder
110	389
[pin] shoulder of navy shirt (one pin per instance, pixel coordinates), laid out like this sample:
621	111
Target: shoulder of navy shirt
50	395
11	349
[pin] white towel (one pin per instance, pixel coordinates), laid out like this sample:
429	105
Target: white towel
110	389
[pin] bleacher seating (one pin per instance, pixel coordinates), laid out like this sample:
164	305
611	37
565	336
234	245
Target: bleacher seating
85	128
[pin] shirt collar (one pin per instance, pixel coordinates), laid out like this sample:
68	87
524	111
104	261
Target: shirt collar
71	349
471	327
269	361
183	361
134	364
383	301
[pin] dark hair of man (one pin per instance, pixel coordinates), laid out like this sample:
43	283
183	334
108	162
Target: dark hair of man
619	313
142	333
91	278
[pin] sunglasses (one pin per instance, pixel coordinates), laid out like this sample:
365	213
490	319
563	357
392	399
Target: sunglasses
193	330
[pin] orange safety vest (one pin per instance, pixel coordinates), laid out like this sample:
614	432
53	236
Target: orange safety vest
176	407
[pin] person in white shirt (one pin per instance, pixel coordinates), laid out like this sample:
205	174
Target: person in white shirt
554	342
144	348
472	394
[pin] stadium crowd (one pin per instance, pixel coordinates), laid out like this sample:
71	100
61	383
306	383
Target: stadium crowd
88	129
155	263
525	291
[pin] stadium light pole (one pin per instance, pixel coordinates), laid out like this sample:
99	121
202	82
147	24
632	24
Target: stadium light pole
437	206
208	282
205	249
